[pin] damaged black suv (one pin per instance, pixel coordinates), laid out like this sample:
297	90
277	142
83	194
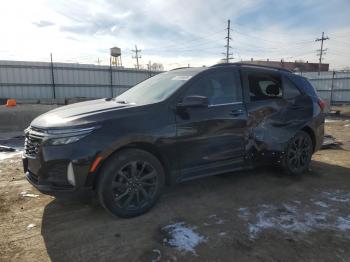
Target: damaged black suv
178	125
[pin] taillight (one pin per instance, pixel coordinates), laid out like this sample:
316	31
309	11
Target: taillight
322	104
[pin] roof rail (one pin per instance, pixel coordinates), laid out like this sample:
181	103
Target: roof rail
180	68
254	65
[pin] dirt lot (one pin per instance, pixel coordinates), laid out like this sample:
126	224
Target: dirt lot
260	215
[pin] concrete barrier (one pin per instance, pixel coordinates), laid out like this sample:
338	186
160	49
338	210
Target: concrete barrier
51	101
16	119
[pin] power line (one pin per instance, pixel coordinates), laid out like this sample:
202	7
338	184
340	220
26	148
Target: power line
186	44
269	40
228	47
340	34
137	56
323	38
198	47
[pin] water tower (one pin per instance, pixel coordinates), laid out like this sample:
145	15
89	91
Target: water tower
116	57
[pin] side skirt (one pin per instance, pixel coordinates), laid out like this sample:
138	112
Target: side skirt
215	169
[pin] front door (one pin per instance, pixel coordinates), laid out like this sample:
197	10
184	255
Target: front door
211	139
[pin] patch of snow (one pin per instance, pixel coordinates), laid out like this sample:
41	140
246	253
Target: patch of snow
331	120
321	204
243	212
183	238
222	234
7	155
218	221
26	194
263	222
293	219
338	196
30	226
343	223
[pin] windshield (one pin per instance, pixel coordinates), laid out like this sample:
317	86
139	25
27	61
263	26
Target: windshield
156	88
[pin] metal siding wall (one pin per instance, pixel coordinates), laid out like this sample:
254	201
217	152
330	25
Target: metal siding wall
33	80
323	85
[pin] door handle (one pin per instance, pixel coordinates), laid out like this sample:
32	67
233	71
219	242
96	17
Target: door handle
237	112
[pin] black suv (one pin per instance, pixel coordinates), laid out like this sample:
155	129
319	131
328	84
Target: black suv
178	125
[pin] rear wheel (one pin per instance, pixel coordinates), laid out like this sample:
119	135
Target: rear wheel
131	183
298	154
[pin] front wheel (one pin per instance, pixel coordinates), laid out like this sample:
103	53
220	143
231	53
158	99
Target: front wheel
298	154
130	183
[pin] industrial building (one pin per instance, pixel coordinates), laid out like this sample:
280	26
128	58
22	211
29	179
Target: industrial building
296	66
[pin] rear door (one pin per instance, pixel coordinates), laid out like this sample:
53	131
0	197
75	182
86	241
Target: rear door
277	109
212	139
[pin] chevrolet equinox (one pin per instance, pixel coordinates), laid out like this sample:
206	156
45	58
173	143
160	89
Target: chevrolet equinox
178	125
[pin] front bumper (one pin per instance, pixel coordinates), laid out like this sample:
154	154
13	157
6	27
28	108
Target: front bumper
58	169
46	187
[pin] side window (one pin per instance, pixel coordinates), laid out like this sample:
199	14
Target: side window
289	89
220	87
263	86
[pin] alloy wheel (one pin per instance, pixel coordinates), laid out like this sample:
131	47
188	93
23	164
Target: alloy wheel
134	185
299	152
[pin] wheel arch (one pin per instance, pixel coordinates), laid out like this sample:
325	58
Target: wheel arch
311	133
146	146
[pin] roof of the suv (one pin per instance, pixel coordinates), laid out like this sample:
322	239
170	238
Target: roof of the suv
253	65
234	64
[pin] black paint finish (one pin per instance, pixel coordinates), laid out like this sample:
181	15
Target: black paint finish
189	141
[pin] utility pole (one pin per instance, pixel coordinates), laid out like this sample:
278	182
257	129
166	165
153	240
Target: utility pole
52	78
137	56
228	38
149	67
323	38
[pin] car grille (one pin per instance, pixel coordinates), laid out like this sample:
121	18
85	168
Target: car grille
32	143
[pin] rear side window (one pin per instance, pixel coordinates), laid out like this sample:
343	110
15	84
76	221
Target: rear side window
289	89
263	86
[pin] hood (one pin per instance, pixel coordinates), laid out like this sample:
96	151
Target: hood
78	114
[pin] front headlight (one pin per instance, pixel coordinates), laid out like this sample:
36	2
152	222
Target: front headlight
63	140
67	136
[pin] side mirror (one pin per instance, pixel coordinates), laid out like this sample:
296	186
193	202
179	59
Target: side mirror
194	101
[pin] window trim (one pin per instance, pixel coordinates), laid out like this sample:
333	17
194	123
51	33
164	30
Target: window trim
225	104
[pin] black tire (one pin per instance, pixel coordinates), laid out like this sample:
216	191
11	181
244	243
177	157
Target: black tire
130	183
298	154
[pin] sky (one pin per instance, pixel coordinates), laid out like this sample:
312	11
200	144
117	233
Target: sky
174	33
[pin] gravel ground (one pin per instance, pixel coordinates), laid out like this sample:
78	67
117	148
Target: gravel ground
259	215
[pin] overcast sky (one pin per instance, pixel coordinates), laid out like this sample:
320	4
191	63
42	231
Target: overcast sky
175	33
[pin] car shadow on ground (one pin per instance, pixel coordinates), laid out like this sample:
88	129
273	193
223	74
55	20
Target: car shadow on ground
76	228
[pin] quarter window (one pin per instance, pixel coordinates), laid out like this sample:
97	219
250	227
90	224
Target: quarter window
289	89
220	87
